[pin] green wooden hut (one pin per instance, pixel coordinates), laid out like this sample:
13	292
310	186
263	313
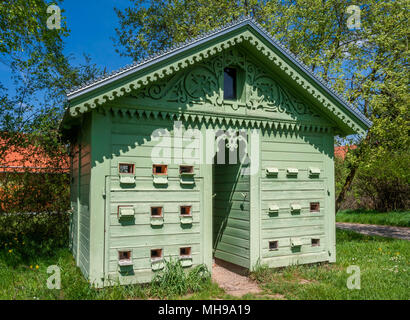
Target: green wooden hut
221	146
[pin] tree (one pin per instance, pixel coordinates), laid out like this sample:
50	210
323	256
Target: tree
368	65
40	71
31	109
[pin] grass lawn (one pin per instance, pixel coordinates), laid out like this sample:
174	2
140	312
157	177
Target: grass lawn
384	264
394	218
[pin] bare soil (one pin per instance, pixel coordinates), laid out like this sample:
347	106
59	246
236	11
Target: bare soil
233	279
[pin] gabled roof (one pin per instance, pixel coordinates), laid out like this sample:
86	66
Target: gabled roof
77	93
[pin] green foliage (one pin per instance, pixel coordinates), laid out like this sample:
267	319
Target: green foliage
33	53
40	72
341	171
394	218
382	181
26	236
260	272
31	109
385	179
149	26
174	281
34	192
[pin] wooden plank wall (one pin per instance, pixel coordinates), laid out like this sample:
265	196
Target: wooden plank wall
84	198
132	143
295	151
73	232
231	232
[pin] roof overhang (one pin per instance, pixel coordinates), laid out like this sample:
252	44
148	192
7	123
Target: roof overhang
90	95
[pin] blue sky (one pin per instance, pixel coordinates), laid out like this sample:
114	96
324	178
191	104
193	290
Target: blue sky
92	24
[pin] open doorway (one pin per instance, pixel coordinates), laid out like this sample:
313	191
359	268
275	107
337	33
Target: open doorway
231	211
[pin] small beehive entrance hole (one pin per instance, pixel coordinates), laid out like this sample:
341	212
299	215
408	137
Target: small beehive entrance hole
124	255
156	211
159	169
315	242
186	169
185	252
314	207
273	245
186	210
126	168
156	254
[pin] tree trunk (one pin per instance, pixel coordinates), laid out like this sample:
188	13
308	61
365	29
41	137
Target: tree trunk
345	188
351	175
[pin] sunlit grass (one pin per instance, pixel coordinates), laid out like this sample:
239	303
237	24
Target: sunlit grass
394	218
384	265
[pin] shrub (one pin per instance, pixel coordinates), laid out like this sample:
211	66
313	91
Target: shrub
382	182
174	281
261	272
25	236
386	181
34	192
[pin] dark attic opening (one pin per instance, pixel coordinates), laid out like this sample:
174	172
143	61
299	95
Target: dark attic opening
230	84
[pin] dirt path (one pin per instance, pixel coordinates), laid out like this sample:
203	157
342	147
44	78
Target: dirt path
233	279
376	230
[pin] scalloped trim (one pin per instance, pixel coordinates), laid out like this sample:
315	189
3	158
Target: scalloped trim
204	54
222	120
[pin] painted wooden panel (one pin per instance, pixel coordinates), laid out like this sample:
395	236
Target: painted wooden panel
281	191
133	143
242	226
231	228
145	264
295	259
84	197
74	217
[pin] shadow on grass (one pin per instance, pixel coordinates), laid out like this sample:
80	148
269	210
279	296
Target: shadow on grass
344	236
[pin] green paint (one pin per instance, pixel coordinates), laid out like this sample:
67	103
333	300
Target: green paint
296	126
231	228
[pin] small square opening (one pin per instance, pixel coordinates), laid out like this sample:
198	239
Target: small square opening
124	255
315	242
185	210
159	169
314	207
185	252
156	211
186	169
156	254
126	168
273	245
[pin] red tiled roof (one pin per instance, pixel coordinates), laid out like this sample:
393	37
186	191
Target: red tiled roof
341	151
31	159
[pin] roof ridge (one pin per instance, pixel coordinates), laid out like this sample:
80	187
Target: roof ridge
188	42
153	56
